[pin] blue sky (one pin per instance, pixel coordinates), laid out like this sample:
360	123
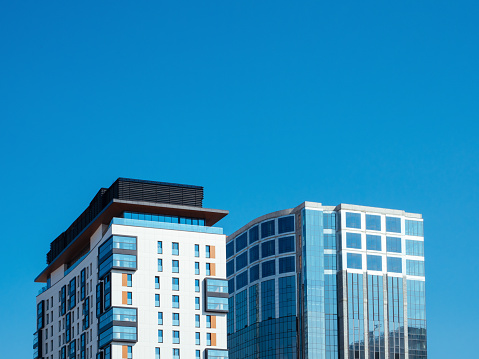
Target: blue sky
265	104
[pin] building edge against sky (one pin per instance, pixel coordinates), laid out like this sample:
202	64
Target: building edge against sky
329	282
138	275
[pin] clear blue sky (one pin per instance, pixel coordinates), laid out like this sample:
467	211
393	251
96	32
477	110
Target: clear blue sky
264	103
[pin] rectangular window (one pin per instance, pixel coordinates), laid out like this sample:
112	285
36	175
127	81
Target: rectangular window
208	338
175	248
415	268
197	303
197	320
197	285
394	265
231	285
208	321
175	301
230	267
197	354
414	248
253	234
242	280
268	229
353	220
373	242
393	224
157	353
128	280
286	244
160	265
176	337
268	248
157	282
414	228
129	298
354	261
207	251
230	249
375	263
197	267
268	268
175	266
175	283
160	318
329	220
175	317
157	300
286	265
208	266
130	352
353	240
241	242
160	247
393	244
373	222
285	224
176	353
254	254
241	261
329	241
197	250
330	261
160	335
197	338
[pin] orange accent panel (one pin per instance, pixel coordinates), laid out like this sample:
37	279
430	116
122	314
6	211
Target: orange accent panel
124	279
124	351
213	321
212	269
212	252
124	297
213	339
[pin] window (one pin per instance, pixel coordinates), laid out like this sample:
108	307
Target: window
393	224
197	338
241	242
129	298
230	249
354	261
160	265
242	280
231	285
267	229
175	283
208	271
175	317
160	318
208	338
197	285
353	240
268	268
353	220
157	282
207	251
330	261
175	266
268	248
197	303
197	320
285	224
197	250
175	301
128	280
254	254
241	261
197	354
157	300
253	234
176	337
176	353
373	222
375	263
197	267
286	264
208	321
415	268
175	248
160	247
160	336
329	220
414	228
129	352
393	244
373	242
414	248
157	353
286	244
394	265
230	267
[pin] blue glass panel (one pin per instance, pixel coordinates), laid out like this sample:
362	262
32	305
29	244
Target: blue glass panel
353	240
230	249
373	222
286	244
330	261
393	224
230	267
254	254
394	265
241	280
393	244
268	268
241	261
268	248
354	261
285	224
231	285
287	296
267	300
253	234
373	243
415	268
241	242
267	229
414	248
375	263
329	241
286	264
414	228
353	220
254	273
329	220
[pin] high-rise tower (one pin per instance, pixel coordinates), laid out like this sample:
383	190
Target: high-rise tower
140	274
327	282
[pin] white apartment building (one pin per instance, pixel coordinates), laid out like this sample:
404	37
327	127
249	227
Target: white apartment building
140	274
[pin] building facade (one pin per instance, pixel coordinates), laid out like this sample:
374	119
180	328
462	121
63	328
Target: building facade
140	274
327	282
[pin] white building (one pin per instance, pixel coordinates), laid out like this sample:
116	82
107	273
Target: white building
140	274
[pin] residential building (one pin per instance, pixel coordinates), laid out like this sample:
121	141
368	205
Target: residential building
327	282
141	273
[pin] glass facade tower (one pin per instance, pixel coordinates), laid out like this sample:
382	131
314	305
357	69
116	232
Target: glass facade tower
342	282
